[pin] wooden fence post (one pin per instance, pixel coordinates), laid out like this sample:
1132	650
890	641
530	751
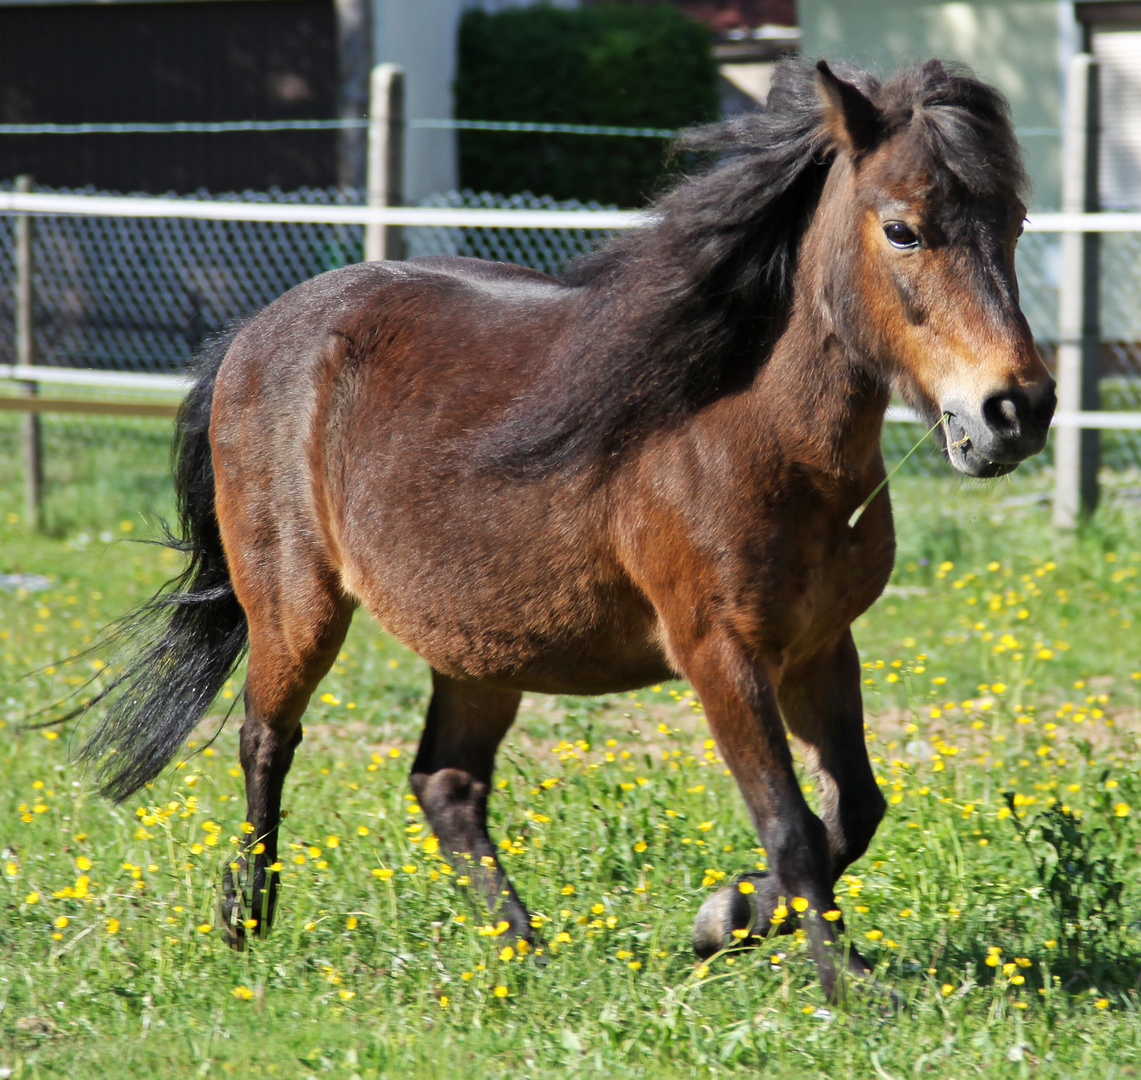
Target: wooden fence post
385	159
1077	450
31	437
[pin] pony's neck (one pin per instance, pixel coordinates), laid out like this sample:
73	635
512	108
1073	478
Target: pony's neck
833	375
829	397
829	407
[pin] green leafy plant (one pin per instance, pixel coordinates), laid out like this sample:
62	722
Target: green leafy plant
1083	886
610	64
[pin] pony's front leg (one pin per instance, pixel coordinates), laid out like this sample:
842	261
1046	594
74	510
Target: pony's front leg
820	702
744	719
823	707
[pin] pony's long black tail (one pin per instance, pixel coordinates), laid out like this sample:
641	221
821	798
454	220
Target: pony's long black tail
175	652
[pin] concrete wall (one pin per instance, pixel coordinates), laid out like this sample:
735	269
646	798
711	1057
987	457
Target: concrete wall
1021	46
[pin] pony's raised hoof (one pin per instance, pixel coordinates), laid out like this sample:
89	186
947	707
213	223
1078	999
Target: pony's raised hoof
729	911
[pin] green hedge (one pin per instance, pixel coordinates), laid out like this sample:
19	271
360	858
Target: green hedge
611	64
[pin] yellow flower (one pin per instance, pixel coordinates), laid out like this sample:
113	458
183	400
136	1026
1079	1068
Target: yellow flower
204	928
799	904
567	890
947	989
832	916
1121	809
444	1001
83	863
382	872
112	926
32	898
874	935
351	923
61	922
501	991
242	993
1101	1003
506	953
635	965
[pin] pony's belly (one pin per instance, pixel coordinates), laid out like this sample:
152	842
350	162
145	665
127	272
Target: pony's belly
550	652
566	676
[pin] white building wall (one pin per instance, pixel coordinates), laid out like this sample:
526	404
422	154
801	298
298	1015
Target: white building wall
420	36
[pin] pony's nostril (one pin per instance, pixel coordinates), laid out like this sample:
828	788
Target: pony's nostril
1002	413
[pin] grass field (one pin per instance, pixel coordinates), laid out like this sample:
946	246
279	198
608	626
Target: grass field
999	900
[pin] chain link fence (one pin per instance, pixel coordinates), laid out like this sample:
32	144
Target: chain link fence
140	295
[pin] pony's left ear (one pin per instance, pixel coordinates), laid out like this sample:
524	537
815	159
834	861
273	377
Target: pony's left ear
849	116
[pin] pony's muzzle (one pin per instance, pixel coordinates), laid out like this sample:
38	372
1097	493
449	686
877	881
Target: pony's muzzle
1009	426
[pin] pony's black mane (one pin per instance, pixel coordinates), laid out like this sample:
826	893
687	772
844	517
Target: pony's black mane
686	310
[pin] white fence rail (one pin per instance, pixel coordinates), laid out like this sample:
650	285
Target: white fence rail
15	202
40	204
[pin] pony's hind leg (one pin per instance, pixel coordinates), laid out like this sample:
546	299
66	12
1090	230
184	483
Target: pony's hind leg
293	643
451	777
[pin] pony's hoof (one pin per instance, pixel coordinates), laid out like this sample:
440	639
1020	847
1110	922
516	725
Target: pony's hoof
232	911
731	918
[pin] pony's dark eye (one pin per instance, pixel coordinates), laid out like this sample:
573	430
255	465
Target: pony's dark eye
900	235
1021	228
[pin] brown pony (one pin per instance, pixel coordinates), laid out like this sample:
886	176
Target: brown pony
644	471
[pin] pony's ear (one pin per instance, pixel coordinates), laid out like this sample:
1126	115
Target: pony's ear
849	116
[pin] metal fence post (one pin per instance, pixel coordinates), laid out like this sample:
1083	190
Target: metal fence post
30	434
1077	450
385	159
